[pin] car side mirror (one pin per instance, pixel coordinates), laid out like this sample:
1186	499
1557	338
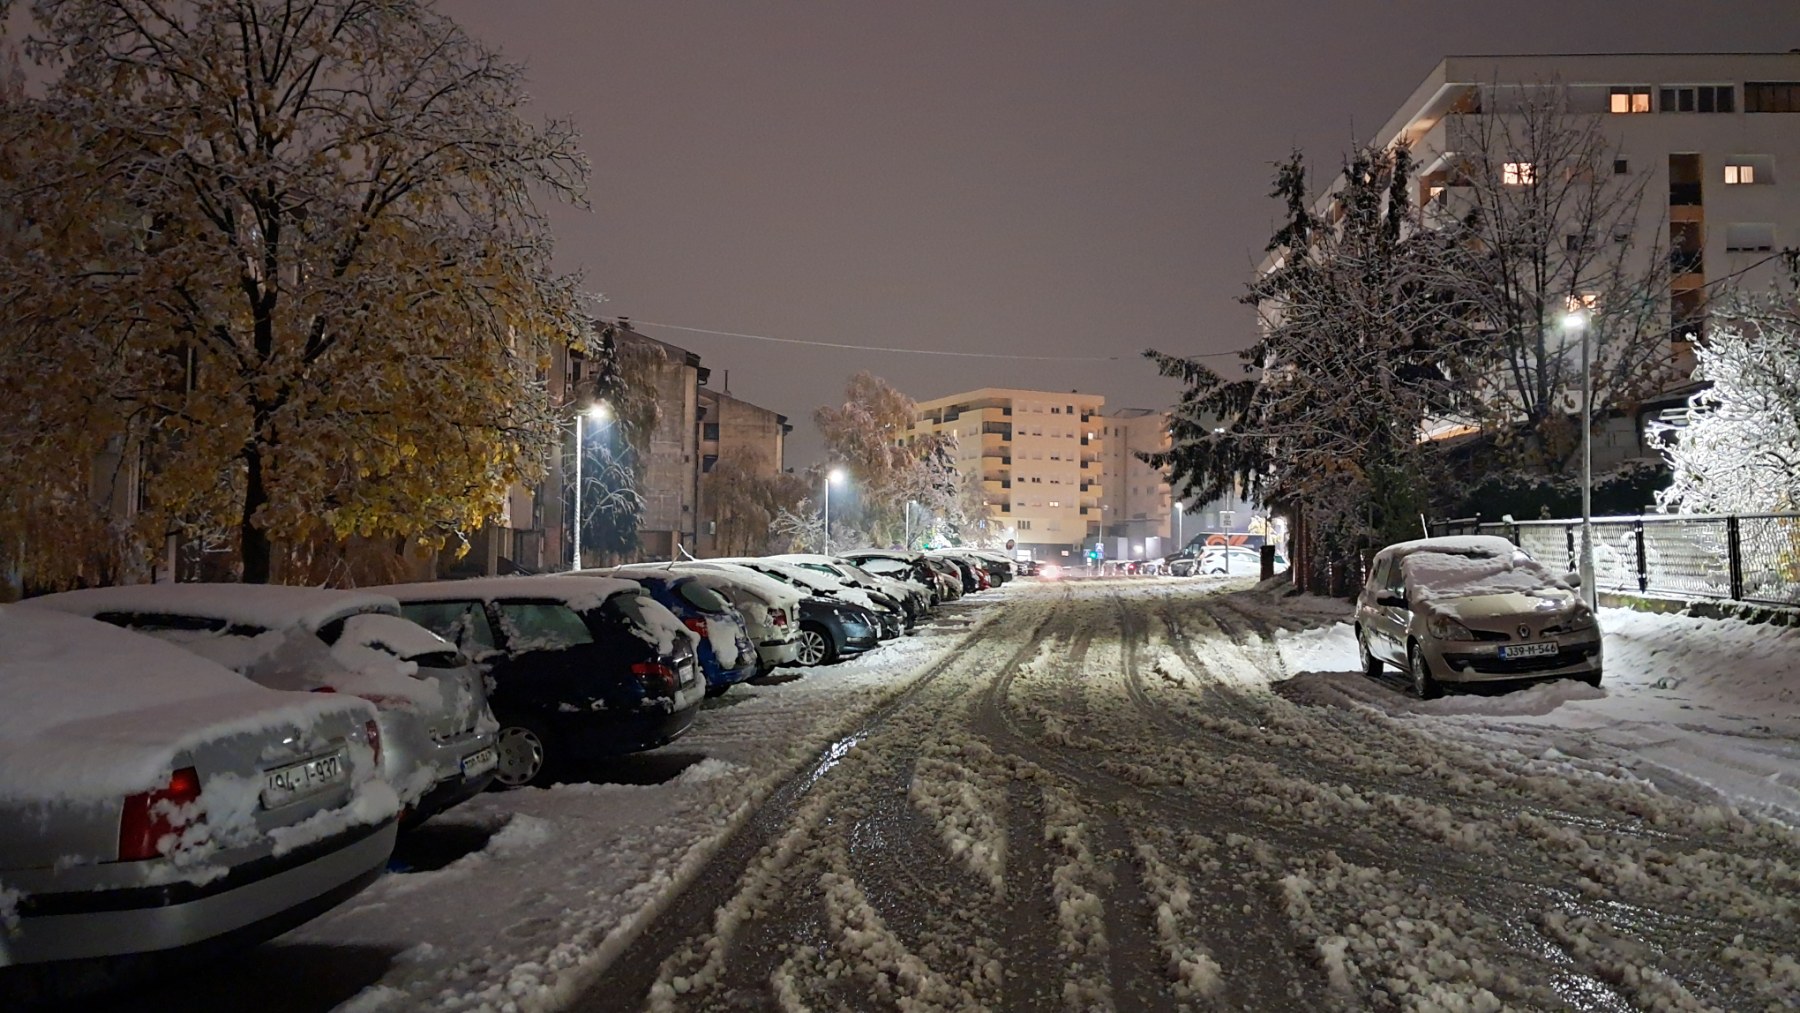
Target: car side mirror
1391	601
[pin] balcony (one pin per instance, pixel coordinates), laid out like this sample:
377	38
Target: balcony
1000	429
1685	262
1684	195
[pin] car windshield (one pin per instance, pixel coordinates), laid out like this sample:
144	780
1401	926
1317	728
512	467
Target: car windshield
1464	573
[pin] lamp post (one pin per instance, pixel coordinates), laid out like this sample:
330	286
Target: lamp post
598	412
1576	320
1179	543
833	477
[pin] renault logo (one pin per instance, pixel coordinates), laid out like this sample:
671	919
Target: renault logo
1524	632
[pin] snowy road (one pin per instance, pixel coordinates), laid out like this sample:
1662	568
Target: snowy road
1100	803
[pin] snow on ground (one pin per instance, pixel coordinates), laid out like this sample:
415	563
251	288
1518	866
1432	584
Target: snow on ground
1686	700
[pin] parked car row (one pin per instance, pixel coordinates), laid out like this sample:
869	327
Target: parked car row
191	765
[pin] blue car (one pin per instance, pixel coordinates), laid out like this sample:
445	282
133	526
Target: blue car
704	611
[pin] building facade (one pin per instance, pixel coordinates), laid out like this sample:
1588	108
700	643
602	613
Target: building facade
1137	506
1039	455
732	429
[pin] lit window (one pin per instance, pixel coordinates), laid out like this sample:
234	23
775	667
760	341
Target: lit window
1736	174
1630	100
1519	174
1055	503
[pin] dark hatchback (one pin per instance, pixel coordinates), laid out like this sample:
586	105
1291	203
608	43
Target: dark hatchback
578	668
830	630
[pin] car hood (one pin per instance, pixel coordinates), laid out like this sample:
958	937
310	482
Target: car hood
1503	610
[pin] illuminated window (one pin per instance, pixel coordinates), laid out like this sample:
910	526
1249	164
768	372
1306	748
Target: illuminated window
1630	100
1736	174
1518	174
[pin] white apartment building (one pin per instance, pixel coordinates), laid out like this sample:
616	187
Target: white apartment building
1137	504
1039	457
1714	136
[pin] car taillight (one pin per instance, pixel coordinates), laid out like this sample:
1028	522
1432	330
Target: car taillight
374	731
324	689
695	623
777	617
151	816
657	671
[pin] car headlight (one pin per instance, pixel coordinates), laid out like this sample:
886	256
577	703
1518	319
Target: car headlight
1446	628
1580	619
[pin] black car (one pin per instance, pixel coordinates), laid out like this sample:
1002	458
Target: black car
831	631
578	668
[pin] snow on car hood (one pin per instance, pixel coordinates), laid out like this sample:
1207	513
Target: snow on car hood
94	711
1480	584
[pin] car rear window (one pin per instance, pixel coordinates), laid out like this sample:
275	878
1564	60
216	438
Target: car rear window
630	608
542	626
702	597
463	623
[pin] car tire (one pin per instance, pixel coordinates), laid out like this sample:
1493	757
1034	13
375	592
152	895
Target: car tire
816	647
526	753
1427	687
1370	663
1592	678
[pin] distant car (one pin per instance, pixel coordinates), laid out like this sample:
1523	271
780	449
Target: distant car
155	802
906	565
726	653
1472	609
436	730
1236	560
889	614
831	629
1027	567
914	597
579	667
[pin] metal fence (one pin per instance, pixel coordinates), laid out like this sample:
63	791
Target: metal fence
1752	558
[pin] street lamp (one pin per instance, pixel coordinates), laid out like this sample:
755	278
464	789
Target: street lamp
599	413
1577	320
833	477
1179	542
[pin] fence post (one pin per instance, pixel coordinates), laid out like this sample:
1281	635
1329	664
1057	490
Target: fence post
1570	562
1643	574
1734	551
1513	532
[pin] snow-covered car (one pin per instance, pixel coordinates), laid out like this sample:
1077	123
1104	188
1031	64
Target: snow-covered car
1235	561
1472	609
889	613
902	564
975	575
913	596
830	629
727	654
771	610
577	667
155	801
437	733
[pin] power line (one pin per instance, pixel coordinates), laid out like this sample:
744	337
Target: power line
902	351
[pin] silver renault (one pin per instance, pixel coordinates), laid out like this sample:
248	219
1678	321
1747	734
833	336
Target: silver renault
1472	609
431	704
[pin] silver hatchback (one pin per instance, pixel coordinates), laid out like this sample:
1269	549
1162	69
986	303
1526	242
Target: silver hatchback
1472	609
431	705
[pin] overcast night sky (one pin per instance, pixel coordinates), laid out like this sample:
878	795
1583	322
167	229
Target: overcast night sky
1059	179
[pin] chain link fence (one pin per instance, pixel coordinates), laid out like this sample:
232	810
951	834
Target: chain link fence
1753	558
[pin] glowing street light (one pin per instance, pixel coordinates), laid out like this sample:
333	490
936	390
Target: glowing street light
1577	320
833	477
599	412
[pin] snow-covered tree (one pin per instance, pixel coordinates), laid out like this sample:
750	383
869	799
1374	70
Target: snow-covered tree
1355	354
284	262
866	434
614	448
1539	222
1736	448
745	496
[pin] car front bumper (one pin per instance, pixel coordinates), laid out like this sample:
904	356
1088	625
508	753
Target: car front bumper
1456	661
256	900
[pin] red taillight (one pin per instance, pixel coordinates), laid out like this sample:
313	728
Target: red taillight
777	617
324	689
657	671
374	731
695	623
151	817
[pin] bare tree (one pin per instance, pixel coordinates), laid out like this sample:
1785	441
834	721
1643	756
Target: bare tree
1543	224
292	250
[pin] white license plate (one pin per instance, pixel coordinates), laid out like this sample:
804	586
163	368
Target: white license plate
1529	650
298	780
480	762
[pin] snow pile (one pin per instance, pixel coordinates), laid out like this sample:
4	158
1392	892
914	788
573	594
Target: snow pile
1192	970
895	974
1076	881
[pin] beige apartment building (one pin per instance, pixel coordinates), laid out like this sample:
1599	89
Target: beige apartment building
732	429
1137	505
1039	457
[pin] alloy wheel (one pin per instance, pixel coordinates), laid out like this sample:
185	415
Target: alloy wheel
812	647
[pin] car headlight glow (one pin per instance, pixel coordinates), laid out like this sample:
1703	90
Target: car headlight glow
1446	628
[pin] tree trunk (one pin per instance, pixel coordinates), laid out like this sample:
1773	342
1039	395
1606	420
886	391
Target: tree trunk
253	542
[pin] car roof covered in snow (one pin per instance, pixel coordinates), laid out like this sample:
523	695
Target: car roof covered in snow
713	573
268	606
93	710
1479	546
579	591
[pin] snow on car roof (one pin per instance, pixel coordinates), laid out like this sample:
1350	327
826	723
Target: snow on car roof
94	711
1436	575
268	606
713	574
578	590
1462	545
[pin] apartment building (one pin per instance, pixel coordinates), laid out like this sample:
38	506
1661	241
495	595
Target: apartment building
1713	137
1137	505
1039	457
732	429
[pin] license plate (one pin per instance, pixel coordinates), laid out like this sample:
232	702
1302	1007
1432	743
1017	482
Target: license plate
298	780
480	762
1529	650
